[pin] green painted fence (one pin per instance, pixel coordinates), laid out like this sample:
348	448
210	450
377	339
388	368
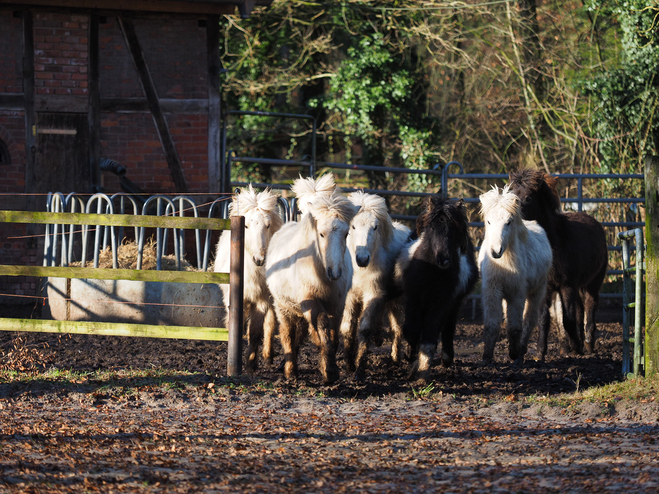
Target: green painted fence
233	334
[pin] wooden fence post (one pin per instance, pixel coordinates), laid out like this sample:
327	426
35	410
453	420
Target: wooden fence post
235	351
652	265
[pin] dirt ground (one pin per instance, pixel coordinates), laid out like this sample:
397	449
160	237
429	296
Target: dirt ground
183	426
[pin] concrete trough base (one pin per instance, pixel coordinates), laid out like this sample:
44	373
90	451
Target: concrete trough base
138	302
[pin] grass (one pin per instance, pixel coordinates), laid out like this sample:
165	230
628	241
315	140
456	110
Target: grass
639	389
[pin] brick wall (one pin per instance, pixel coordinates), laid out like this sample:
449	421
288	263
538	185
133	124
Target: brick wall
11	53
175	51
60	54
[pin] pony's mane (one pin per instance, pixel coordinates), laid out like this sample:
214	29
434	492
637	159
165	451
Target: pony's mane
249	200
500	198
370	203
333	205
377	206
536	181
435	206
307	186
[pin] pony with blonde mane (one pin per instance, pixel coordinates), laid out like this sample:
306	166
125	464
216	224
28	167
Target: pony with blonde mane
306	189
514	259
374	242
309	273
262	221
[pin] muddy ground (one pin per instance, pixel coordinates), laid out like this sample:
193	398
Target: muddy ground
183	426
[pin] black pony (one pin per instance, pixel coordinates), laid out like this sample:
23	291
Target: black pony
436	272
580	258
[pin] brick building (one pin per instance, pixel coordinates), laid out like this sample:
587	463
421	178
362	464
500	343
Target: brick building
135	82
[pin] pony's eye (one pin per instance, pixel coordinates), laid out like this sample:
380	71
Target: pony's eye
508	222
488	222
246	227
375	227
322	235
353	227
267	226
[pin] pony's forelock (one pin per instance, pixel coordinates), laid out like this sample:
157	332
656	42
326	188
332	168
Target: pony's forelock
375	205
502	198
249	200
536	182
303	186
370	203
333	205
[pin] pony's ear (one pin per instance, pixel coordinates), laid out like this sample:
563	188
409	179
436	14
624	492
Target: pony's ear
460	203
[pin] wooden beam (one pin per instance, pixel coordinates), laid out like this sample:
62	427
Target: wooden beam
149	88
94	112
58	103
30	117
114	329
113	7
651	265
214	102
115	274
134	220
12	101
140	105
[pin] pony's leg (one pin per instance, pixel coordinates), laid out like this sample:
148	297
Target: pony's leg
320	323
591	301
369	322
269	328
514	324
349	331
448	335
570	298
287	336
257	314
534	304
396	315
544	324
492	317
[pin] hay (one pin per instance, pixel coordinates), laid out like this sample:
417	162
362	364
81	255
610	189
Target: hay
127	258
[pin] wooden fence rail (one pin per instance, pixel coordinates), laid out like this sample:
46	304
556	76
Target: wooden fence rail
233	334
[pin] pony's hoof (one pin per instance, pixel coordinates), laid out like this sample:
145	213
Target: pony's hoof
331	374
486	362
360	375
519	362
290	372
589	348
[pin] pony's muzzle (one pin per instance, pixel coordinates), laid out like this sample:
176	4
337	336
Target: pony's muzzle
443	263
258	260
334	275
497	254
362	260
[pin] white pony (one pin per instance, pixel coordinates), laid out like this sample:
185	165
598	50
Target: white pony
262	220
374	243
514	261
306	189
309	274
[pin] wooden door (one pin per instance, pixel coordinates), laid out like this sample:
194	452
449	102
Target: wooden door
62	157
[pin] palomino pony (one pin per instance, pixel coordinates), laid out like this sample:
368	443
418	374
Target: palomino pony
262	220
309	273
436	272
514	260
305	189
374	243
580	258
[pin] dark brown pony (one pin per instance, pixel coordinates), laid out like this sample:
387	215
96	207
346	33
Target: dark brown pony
438	271
580	258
